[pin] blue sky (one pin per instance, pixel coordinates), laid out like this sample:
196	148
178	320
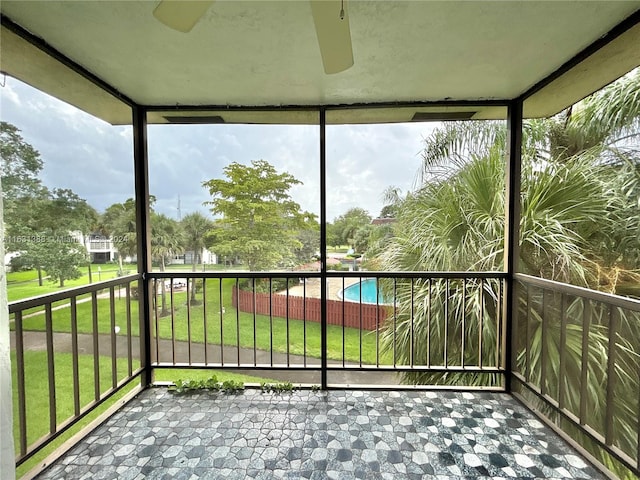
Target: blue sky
95	159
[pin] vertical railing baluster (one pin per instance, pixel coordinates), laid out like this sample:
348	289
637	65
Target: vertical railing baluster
360	316
612	351
221	313
51	369
22	403
75	356
304	321
129	340
173	326
429	313
501	341
343	328
157	316
287	317
377	321
481	326
411	331
271	320
563	354
96	346
238	321
464	323
446	322
205	338
584	364
255	306
527	345
112	334
395	316
188	291
545	347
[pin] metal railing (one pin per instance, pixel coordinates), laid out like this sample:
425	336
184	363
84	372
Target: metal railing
76	349
73	351
577	361
438	328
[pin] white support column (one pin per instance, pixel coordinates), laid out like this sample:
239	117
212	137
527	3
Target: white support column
7	452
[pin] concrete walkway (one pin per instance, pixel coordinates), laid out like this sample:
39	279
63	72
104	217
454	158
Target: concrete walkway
182	352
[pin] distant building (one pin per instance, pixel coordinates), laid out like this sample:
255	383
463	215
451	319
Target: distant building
190	257
100	248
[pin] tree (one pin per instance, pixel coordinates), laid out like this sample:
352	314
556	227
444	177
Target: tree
20	165
349	222
393	199
195	227
334	235
260	221
167	240
119	222
46	236
579	184
61	257
309	238
362	237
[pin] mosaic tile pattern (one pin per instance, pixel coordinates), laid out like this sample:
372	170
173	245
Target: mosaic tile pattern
322	435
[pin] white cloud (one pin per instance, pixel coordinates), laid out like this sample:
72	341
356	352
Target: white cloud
96	160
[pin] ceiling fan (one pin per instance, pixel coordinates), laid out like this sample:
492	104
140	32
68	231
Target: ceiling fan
330	17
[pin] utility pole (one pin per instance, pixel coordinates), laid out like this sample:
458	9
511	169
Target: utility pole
179	209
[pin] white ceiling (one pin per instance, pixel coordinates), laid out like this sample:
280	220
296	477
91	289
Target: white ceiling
258	53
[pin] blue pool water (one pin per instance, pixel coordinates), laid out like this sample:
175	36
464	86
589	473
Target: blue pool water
370	293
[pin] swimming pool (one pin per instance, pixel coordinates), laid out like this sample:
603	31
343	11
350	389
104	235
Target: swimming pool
370	293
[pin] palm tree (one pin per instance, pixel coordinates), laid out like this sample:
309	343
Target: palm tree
119	221
195	227
579	224
166	240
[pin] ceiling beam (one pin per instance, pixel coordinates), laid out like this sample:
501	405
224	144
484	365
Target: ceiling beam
42	45
624	26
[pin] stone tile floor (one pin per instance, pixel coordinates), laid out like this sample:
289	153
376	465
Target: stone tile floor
318	435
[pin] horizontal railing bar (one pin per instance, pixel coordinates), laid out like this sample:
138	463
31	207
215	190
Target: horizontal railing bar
424	388
337	274
418	368
41	300
47	439
621	456
378	387
231	366
335	367
609	298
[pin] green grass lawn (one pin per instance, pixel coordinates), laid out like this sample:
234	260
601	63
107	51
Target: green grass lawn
270	333
24	276
25	284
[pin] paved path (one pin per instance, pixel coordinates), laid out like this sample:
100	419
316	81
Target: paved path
181	350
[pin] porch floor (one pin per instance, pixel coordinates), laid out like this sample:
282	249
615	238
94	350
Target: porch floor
317	435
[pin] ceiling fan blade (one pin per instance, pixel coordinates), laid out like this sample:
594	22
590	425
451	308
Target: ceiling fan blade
181	15
334	36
